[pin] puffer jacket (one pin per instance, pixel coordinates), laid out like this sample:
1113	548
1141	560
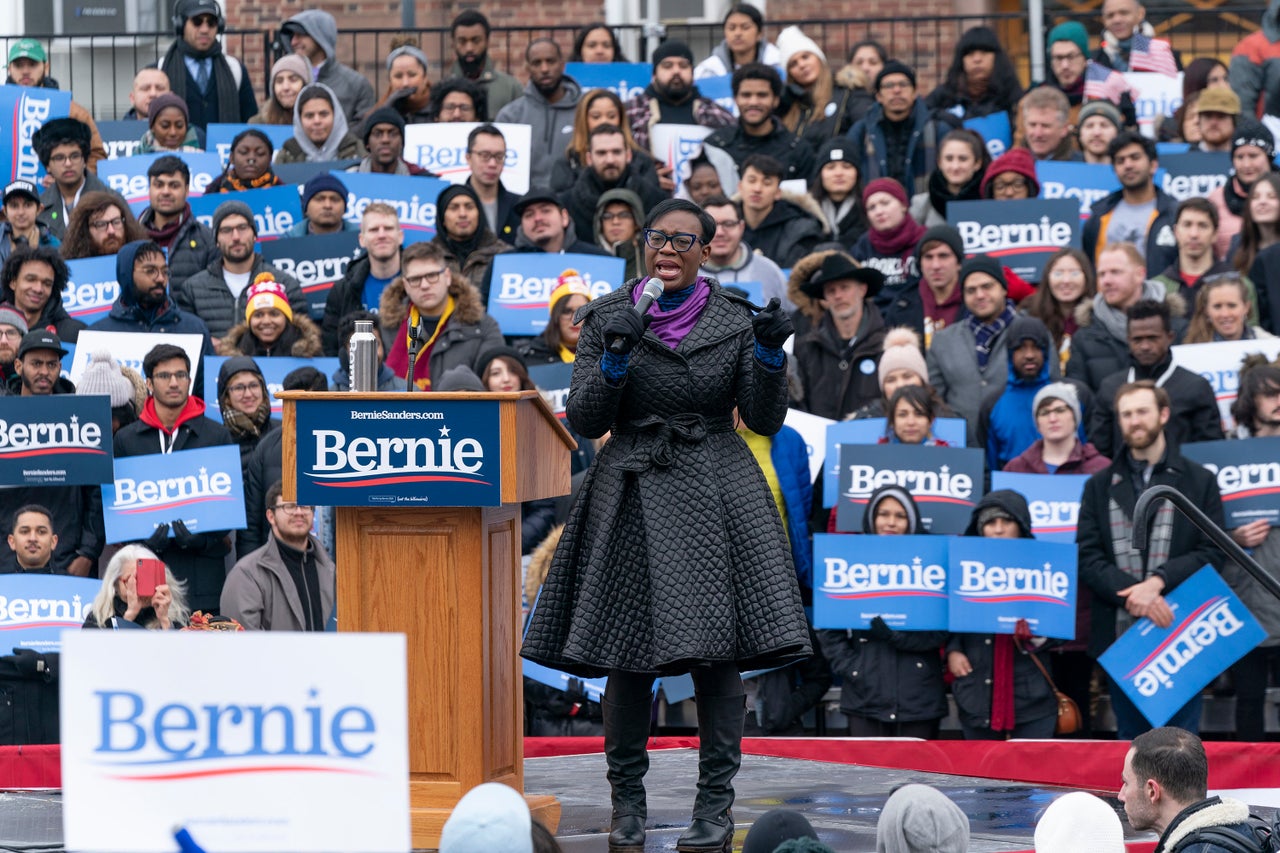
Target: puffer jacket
192	249
1255	66
206	295
1096	352
551	126
240	340
467	333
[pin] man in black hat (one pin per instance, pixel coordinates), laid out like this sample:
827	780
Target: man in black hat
545	226
671	97
37	370
20	227
384	139
839	333
899	137
939	255
63	146
214	85
757	89
324	207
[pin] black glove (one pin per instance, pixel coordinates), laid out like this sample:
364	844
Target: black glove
772	326
159	539
185	539
880	630
624	330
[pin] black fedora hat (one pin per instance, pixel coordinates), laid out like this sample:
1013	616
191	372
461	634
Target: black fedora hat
840	267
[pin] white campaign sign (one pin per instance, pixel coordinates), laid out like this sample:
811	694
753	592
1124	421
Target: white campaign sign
442	148
813	429
130	348
1219	363
276	741
1159	95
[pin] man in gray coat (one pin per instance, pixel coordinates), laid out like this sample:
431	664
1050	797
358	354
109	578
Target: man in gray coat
289	583
314	35
548	105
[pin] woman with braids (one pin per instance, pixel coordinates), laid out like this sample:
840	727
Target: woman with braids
249	166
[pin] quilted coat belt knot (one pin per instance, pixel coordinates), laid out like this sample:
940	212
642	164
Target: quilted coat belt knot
688	427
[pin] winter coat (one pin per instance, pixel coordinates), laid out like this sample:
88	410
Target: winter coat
1266	272
899	299
1189	548
1095	352
265	466
567	169
1180	836
261	595
202	567
352	88
789	231
927	130
54	317
192	250
634	585
477	267
645	110
468	333
1084	459
51	214
1254	71
1193	414
720	62
346	296
836	380
46	239
350	148
1264	606
247	440
500	88
819	123
582	197
239	340
127	316
206	295
794	153
1032	698
753	266
204	109
1161	249
387	379
550	126
507	222
76	518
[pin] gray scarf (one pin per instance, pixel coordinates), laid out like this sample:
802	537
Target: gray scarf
329	150
1114	319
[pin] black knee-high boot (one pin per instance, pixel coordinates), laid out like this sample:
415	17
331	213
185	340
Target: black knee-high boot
626	735
719	757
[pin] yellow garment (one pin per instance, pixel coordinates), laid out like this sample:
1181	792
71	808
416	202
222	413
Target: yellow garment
761	447
424	381
566	354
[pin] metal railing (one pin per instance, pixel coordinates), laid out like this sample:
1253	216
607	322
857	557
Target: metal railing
99	69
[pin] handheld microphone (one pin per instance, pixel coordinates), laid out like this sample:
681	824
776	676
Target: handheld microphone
652	290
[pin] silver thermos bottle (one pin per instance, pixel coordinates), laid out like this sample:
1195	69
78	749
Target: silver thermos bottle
362	358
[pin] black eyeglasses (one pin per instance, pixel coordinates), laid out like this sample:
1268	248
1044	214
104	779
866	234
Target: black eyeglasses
680	241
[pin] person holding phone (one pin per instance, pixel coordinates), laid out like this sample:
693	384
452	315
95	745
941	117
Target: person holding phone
138	591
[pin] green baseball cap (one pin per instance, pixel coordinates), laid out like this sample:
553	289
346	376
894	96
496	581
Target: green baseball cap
28	49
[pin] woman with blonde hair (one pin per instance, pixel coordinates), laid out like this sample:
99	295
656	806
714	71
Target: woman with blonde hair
816	104
597	107
118	601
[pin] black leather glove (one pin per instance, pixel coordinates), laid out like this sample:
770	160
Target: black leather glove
880	630
185	539
624	330
159	539
772	326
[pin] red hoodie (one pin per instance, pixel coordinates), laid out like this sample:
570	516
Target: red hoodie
193	409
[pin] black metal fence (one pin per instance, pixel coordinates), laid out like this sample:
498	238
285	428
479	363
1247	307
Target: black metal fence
99	68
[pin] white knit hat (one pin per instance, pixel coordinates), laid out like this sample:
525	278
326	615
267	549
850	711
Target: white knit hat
792	41
1064	391
1079	821
102	376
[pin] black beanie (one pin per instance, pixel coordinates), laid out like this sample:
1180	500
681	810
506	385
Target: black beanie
983	263
942	234
670	48
893	66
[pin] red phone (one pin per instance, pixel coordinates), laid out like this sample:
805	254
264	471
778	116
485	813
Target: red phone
150	574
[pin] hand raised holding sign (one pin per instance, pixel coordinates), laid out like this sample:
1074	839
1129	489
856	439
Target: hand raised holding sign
1145	600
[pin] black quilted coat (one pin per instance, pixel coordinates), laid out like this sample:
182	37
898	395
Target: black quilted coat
673	553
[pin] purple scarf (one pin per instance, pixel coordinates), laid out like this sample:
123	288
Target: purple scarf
672	326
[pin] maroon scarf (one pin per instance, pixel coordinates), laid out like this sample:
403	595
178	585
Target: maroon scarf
897	241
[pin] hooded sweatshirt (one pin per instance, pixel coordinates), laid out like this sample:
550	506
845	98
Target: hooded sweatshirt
551	126
629	251
352	88
1255	66
128	316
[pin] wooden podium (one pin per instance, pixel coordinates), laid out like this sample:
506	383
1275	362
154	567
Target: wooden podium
448	578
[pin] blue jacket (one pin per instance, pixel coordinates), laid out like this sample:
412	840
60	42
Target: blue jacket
127	316
790	457
872	151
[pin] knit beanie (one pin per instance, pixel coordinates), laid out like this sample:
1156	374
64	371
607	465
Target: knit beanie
1064	391
942	234
319	183
982	263
489	817
920	819
10	316
459	378
885	185
902	350
383	115
1017	160
792	41
1072	31
1106	109
1079	821
266	292
295	64
237	208
1258	135
670	48
163	101
836	150
894	66
774	827
102	377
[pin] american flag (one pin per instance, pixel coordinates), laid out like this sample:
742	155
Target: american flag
1148	54
1103	84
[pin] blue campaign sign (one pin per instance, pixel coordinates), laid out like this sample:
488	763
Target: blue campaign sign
869	431
946	482
1054	500
93	288
522	283
424	450
1161	669
300	173
995	582
275	209
592	687
414	199
36	609
553	381
128	175
202	487
1194	174
27	110
68	360
217	137
123	138
995	129
316	261
1021	234
1247	476
718	89
1083	182
624	79
57	440
1164	149
274	370
901	579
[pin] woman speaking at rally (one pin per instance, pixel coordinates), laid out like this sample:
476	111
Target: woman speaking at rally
674	558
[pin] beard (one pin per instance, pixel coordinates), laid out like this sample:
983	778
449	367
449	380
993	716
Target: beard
675	92
472	67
